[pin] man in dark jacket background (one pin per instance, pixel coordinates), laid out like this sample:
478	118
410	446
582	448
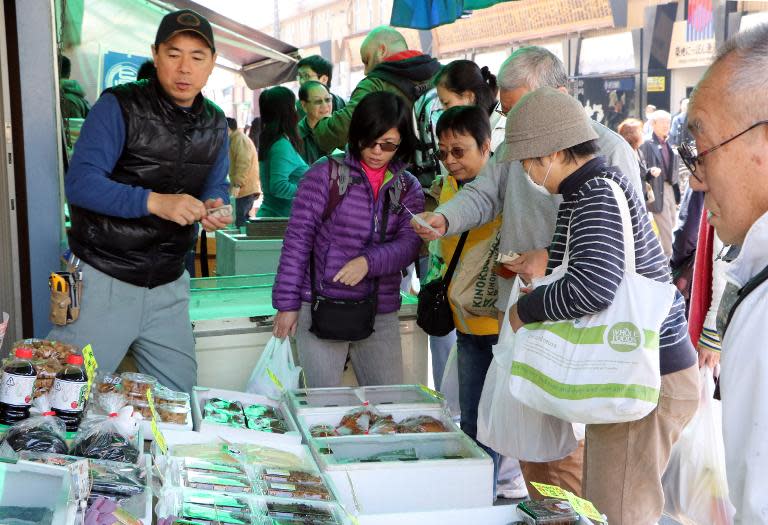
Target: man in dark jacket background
663	166
389	66
151	161
315	67
73	102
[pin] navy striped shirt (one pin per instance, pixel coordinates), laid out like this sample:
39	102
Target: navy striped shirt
596	260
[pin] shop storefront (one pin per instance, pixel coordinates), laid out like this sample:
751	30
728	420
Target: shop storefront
607	81
691	50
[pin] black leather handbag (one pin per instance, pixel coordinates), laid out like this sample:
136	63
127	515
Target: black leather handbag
345	319
433	313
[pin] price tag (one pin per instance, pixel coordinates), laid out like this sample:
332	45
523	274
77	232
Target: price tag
275	380
90	368
584	507
433	393
159	438
550	491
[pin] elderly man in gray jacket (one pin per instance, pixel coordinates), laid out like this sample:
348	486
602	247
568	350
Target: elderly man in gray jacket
528	214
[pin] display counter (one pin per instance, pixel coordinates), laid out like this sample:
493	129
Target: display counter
232	323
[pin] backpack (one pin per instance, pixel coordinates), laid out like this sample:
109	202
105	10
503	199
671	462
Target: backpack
340	178
425	165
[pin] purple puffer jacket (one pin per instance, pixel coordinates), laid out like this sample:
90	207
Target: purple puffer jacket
347	234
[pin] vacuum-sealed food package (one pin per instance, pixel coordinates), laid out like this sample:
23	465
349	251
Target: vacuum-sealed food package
548	512
420	424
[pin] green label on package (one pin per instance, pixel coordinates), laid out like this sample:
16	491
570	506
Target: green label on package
90	368
159	438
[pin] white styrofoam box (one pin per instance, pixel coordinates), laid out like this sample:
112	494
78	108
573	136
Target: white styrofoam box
451	467
308	419
28	484
241	435
493	515
311	399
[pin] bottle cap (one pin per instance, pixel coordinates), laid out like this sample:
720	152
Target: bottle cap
24	353
75	359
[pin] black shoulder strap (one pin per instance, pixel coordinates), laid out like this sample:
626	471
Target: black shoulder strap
747	289
455	259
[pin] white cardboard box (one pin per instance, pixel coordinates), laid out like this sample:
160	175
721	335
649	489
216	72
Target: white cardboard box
406	486
241	435
382	397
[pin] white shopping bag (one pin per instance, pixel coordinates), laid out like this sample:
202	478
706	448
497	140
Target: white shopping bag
274	366
695	484
449	386
508	426
600	368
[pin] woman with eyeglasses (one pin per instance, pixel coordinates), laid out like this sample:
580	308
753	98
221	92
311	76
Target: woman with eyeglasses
464	141
347	241
316	101
280	164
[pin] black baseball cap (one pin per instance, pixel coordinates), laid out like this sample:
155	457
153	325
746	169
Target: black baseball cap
184	20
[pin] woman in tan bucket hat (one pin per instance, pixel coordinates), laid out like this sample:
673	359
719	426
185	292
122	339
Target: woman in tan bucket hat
549	132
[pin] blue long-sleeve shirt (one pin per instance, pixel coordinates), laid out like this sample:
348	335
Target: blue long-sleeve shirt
98	149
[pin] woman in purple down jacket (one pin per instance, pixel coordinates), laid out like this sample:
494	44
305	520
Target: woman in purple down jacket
350	256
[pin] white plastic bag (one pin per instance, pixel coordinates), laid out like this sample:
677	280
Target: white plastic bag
695	483
508	426
449	386
599	368
277	358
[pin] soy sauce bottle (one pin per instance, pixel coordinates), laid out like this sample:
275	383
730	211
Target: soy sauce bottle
68	393
17	384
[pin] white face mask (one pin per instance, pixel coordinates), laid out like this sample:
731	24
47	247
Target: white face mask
540	187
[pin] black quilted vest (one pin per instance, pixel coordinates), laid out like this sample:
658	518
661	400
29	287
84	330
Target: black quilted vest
167	150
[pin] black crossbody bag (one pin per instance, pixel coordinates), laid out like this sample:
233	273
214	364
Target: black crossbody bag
346	319
433	313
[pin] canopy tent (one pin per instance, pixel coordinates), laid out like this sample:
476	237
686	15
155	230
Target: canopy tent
426	14
263	60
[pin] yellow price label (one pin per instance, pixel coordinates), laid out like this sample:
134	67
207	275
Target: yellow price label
433	393
550	491
90	368
159	438
275	380
584	507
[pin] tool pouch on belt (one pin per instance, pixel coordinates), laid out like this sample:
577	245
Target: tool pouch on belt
60	303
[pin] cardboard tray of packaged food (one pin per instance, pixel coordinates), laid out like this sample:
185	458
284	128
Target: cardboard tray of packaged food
243	435
320	399
391	473
333	418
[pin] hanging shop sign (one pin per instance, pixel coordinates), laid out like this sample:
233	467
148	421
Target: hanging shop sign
607	54
120	68
656	84
689	53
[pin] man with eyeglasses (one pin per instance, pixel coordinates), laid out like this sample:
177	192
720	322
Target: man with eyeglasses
315	67
316	101
728	118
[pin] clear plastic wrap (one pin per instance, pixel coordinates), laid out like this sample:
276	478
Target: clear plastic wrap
43	433
113	437
357	421
237	453
420	424
322	430
383	425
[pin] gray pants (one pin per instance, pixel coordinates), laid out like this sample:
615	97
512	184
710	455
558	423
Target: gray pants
377	360
665	220
153	323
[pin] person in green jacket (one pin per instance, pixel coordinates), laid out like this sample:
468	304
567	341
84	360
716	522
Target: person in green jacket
389	66
316	100
280	164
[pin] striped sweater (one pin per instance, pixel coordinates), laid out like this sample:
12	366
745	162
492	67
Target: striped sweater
596	260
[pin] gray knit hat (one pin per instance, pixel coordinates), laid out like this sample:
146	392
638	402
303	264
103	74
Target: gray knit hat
543	122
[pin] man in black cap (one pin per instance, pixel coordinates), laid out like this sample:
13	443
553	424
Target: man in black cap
151	161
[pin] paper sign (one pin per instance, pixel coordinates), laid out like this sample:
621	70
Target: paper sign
433	393
159	438
550	491
275	380
90	368
580	505
584	507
